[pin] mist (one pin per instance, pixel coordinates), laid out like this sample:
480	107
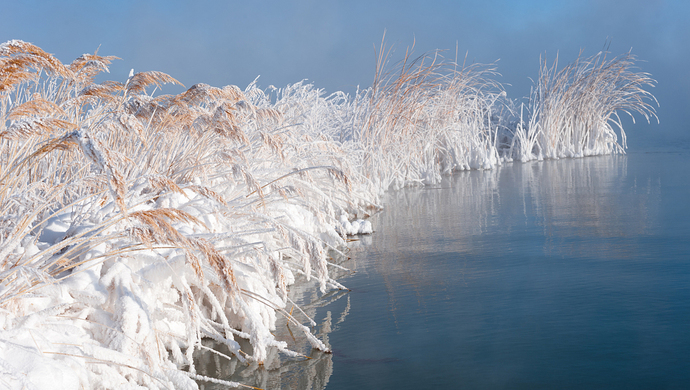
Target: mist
333	44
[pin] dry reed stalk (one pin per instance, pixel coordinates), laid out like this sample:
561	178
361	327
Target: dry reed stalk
575	107
138	82
420	112
87	66
17	58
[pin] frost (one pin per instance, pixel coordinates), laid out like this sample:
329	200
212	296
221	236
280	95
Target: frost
134	226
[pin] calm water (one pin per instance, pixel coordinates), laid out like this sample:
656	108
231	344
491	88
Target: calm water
571	274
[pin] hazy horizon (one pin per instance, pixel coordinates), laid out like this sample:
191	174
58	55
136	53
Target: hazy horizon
332	44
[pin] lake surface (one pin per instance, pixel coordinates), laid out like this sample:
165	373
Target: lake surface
570	274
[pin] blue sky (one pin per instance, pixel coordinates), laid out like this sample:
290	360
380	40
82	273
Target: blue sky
331	43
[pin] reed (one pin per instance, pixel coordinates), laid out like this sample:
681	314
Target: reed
426	116
575	111
174	205
134	225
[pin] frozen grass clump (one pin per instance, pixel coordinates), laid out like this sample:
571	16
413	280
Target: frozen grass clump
425	117
134	226
574	112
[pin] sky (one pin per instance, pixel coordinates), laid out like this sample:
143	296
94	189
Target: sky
332	43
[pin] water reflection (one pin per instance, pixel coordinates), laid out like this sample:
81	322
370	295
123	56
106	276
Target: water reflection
556	274
276	373
591	197
279	372
579	208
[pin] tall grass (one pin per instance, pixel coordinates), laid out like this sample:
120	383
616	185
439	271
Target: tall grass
136	225
575	111
426	116
164	219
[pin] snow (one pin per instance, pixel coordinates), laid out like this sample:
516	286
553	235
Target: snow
155	222
356	227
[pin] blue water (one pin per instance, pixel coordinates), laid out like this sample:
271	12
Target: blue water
570	274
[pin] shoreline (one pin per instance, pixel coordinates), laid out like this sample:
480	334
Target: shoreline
137	225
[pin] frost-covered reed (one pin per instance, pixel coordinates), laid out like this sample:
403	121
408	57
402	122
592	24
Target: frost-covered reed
134	226
426	116
574	111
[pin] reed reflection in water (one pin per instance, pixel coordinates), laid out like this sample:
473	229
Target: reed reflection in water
312	371
567	274
554	274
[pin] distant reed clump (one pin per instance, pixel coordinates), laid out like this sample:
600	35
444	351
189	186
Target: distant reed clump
427	116
134	226
575	111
